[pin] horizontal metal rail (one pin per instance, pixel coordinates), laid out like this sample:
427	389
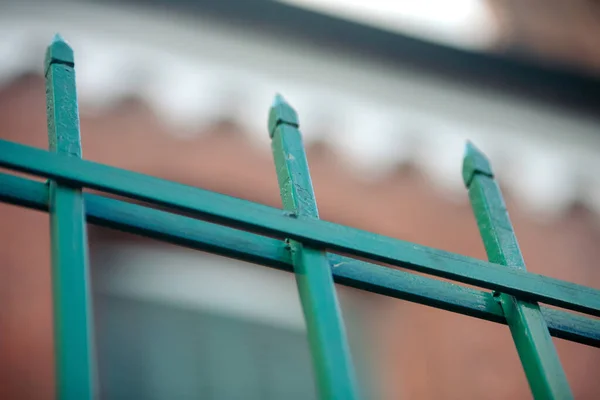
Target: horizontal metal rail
317	233
246	246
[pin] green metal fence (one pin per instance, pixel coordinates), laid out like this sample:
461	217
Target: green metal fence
294	240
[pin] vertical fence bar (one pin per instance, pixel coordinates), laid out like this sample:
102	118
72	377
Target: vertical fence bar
326	333
72	316
527	325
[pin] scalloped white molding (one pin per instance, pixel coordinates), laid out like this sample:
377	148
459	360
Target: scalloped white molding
192	69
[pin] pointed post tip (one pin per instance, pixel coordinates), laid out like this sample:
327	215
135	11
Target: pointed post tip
470	147
278	100
58	38
59	52
474	162
281	113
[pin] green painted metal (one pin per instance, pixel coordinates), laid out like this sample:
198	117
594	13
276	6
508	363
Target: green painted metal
304	250
326	334
528	327
246	246
262	219
71	295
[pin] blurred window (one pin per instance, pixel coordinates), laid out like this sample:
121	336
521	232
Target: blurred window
172	323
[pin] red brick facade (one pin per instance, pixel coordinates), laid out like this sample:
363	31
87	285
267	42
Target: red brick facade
424	353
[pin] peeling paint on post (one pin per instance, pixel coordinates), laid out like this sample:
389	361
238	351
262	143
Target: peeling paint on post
529	330
326	334
70	279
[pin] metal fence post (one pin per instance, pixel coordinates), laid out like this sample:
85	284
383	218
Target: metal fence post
70	280
326	333
530	333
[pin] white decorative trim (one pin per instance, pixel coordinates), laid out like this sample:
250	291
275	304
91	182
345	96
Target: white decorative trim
193	69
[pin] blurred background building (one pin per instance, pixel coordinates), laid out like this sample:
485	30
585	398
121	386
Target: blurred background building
387	94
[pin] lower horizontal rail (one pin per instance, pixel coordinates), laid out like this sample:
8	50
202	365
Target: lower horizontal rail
245	246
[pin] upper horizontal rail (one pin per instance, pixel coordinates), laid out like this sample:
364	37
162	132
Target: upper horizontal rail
266	220
246	246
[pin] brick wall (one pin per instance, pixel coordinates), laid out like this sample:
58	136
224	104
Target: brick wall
423	353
